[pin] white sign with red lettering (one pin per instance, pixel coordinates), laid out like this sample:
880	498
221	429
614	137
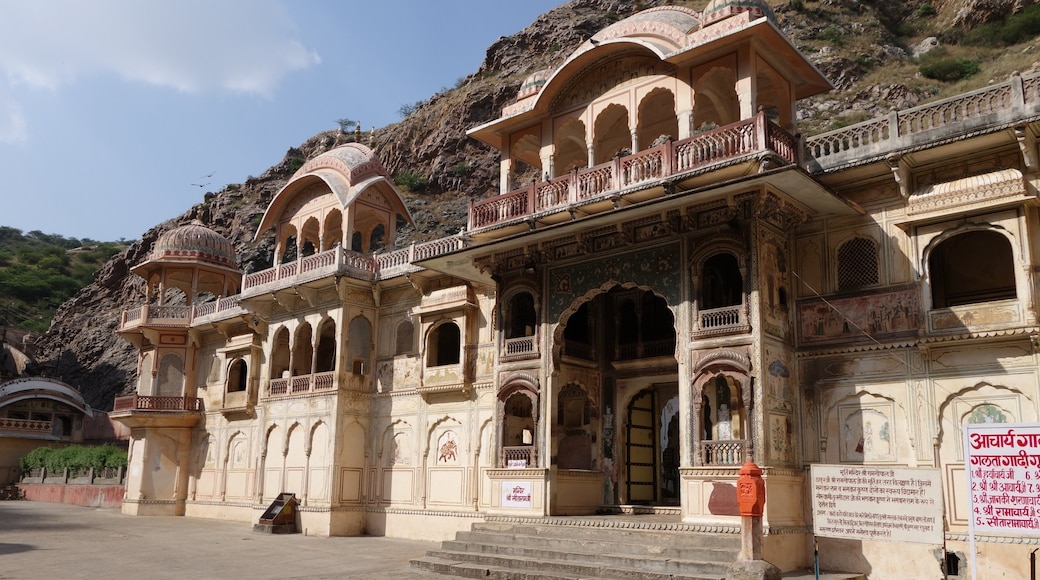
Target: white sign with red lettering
1003	465
516	494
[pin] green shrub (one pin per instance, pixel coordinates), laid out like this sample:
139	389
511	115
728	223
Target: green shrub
830	34
460	170
411	180
926	10
949	69
1014	29
74	457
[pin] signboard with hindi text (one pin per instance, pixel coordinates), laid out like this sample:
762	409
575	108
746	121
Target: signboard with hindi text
895	504
516	494
1003	465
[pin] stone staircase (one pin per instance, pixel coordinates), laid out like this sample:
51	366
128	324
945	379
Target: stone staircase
586	549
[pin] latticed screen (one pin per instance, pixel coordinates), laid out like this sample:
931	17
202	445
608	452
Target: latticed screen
857	264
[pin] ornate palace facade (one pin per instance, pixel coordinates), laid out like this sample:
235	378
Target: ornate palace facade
671	280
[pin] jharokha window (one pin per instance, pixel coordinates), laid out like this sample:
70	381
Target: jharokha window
722	283
857	264
972	267
445	345
237	376
520	318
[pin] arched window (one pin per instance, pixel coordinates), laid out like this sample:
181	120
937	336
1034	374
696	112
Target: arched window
359	345
857	264
326	356
280	354
657	119
303	351
171	376
238	376
291	250
377	240
521	318
518	424
721	282
612	135
445	345
976	266
405	337
355	242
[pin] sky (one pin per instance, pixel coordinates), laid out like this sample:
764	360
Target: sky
118	115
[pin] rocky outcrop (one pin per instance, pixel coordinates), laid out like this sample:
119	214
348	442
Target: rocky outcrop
847	39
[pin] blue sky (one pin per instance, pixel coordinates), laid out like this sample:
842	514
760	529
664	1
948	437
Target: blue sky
113	113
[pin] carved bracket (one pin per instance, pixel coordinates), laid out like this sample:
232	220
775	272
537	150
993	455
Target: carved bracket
901	173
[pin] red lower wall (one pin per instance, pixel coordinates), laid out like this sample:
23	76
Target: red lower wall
104	496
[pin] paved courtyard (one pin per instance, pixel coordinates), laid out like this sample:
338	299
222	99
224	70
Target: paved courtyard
42	540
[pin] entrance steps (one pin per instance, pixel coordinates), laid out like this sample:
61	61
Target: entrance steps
586	549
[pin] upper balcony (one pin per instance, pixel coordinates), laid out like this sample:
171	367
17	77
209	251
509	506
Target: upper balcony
157	411
334	262
995	107
557	199
342	262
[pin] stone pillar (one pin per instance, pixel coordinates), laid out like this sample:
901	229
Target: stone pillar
751	498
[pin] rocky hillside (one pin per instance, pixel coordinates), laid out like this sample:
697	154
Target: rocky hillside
867	49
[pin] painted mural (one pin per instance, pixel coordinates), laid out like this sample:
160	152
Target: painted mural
780	430
658	268
866	433
858	318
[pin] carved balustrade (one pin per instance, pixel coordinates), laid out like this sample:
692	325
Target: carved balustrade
301	384
993	106
518	457
726	452
725	320
25	426
519	348
137	402
713	147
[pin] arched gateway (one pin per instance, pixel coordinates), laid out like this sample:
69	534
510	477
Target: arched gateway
616	400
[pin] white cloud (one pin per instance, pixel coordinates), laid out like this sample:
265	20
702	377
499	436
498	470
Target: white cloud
12	123
189	45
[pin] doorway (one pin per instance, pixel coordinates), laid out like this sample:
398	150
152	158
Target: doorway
652	447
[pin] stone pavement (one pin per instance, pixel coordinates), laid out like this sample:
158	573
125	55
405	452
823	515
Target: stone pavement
43	540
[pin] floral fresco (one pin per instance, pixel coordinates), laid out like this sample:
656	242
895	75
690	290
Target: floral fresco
658	268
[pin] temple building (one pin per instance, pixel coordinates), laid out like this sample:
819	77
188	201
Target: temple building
671	280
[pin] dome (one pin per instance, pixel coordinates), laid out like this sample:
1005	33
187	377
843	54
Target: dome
721	9
354	160
534	83
194	242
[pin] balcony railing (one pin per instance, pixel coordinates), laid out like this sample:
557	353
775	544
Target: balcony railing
730	452
302	384
519	347
137	402
518	457
153	315
577	349
671	159
995	106
340	261
25	426
646	349
725	320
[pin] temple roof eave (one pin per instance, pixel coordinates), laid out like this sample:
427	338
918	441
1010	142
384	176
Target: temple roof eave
492	132
42	388
346	193
770	43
